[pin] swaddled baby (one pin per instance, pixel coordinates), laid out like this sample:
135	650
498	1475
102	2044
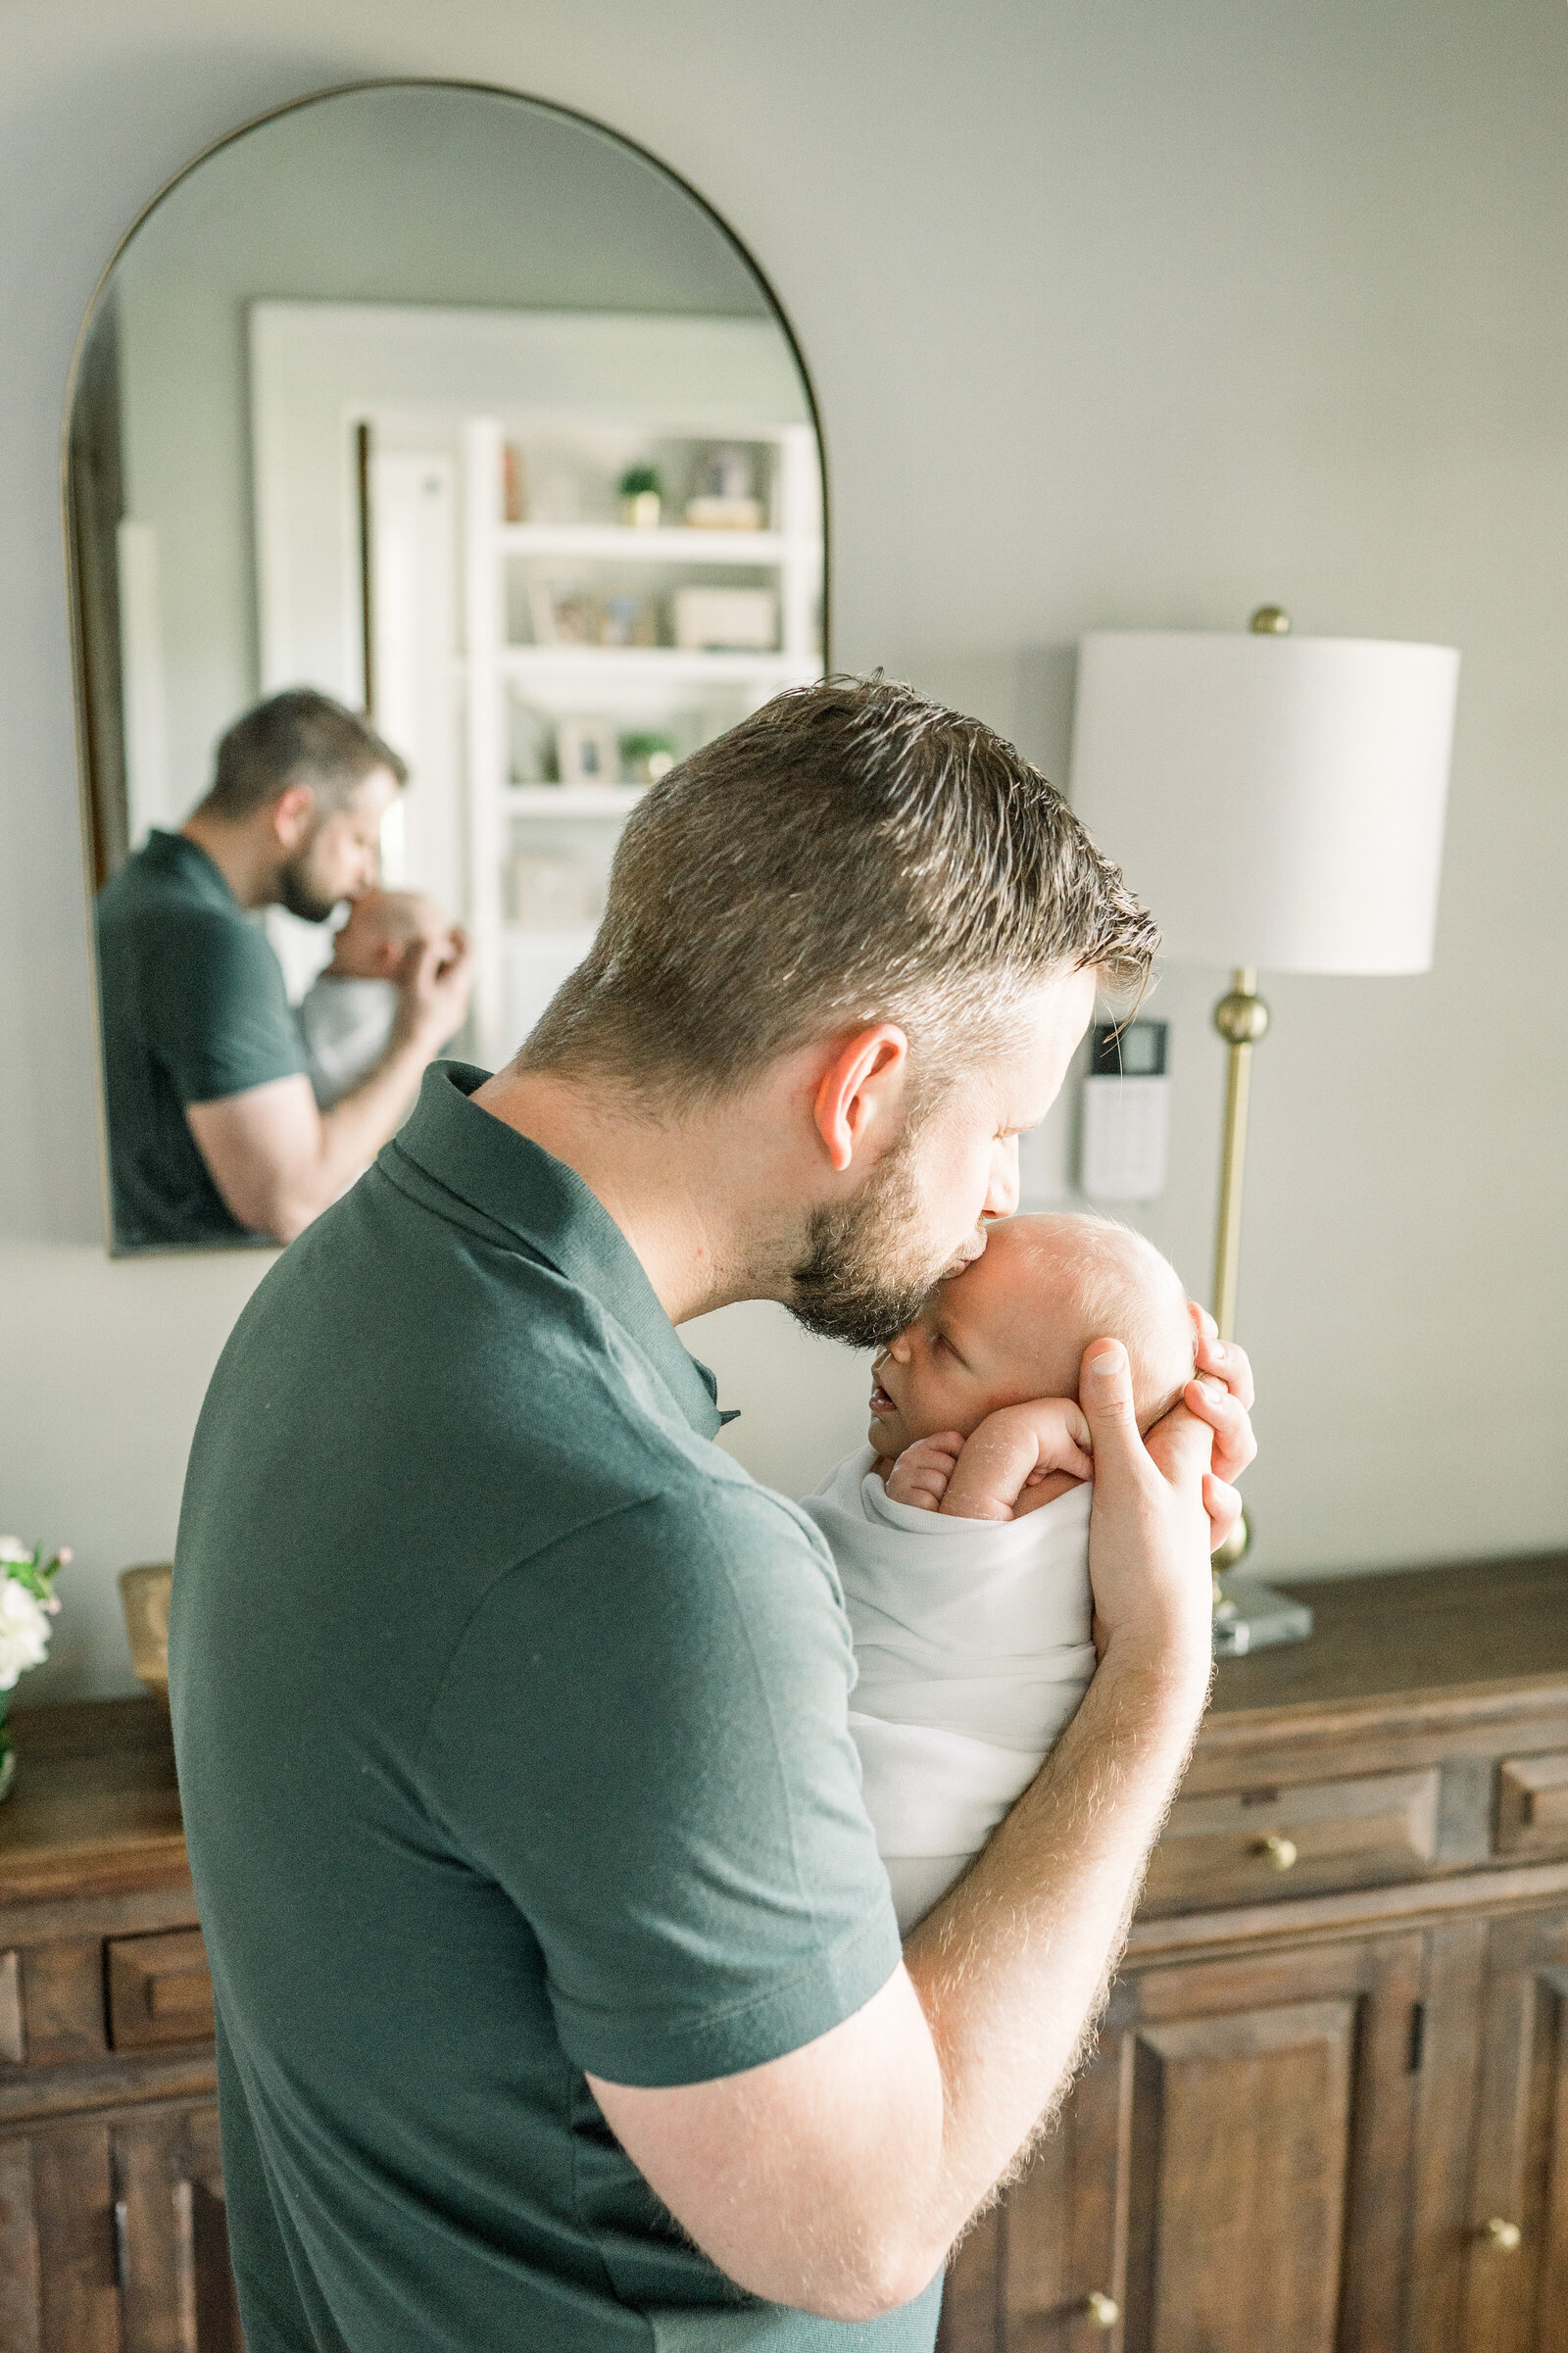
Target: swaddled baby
962	1533
346	1019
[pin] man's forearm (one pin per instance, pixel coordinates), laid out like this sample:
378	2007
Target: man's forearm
359	1122
1012	1966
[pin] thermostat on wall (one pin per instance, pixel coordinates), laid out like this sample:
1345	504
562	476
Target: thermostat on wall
1126	1118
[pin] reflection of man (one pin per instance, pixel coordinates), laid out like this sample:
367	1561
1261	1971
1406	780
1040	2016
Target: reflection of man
214	1132
560	1993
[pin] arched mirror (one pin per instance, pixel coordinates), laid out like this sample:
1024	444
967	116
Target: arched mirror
441	472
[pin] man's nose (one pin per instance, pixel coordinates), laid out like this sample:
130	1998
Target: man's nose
1002	1196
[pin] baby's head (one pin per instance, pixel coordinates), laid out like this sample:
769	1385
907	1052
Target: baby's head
381	929
1014	1326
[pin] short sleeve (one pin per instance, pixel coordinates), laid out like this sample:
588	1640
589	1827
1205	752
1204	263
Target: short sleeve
643	1738
217	1013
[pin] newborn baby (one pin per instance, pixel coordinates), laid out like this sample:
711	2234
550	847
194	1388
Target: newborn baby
962	1533
346	1018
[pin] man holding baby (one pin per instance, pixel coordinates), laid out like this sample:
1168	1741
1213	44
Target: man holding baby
561	1994
215	1133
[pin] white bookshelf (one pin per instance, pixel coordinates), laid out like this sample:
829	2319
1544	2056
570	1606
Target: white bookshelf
690	695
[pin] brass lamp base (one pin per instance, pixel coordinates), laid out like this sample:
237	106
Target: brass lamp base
1249	1615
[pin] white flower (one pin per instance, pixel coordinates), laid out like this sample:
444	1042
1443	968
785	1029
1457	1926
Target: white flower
12	1548
24	1631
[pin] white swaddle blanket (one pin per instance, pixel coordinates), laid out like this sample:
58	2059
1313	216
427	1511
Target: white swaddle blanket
972	1640
347	1027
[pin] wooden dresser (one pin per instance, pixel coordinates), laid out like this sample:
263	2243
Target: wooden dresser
1329	2108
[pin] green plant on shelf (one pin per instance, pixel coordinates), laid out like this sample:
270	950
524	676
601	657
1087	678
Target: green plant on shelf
642	481
648	756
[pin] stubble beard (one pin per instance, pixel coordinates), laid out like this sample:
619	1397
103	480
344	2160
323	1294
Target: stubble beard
299	892
868	1266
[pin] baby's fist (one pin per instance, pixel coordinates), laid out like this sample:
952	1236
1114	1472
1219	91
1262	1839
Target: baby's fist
922	1471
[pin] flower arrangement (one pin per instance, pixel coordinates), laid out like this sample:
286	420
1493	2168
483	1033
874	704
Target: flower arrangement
28	1609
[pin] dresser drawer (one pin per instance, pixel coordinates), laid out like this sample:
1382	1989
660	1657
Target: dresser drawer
1249	1844
159	1990
1531	1813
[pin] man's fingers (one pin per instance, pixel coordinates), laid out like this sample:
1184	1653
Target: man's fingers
1235	1446
1230	1364
1105	1394
1224	1508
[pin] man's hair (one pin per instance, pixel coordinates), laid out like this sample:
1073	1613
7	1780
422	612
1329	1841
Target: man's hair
298	737
850	854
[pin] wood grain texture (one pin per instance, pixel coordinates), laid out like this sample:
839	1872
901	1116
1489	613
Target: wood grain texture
160	1990
1532	1805
1335	1834
1516	2298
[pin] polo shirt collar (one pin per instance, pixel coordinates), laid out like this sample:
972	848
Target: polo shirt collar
514	1184
177	854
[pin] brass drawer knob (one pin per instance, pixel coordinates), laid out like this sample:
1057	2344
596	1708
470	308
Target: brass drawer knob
1278	1852
1505	2236
1103	2311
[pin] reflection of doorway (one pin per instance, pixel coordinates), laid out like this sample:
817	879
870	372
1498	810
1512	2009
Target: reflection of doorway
438	519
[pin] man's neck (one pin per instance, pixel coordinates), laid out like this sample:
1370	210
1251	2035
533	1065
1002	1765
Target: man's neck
690	1196
248	863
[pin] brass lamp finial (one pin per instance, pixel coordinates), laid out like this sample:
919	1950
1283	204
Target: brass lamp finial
1270	620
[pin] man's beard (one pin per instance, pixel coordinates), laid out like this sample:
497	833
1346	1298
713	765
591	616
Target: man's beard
867	1267
296	892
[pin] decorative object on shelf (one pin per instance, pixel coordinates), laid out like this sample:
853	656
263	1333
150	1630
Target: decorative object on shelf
725	498
144	1602
27	1611
1279	803
552	894
587	751
727	621
647	755
642	497
627	620
562	613
514	484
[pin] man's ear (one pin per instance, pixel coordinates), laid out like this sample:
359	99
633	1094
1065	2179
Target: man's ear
860	1091
291	813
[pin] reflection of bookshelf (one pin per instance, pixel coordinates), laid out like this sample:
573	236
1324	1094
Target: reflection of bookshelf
687	694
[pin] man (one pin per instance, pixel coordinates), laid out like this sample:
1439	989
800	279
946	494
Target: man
560	2001
214	1134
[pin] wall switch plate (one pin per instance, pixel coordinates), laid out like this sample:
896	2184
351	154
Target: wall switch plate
1125	1146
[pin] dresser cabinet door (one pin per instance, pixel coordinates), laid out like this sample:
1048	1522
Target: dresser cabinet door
177	2287
1516	2255
1233	2173
57	2291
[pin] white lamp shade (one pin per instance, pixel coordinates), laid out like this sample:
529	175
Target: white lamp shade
1275	802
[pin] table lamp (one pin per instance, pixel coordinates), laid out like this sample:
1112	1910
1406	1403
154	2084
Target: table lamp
1278	802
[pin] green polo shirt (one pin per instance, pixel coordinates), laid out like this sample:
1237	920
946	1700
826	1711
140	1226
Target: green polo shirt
193	1007
511	1726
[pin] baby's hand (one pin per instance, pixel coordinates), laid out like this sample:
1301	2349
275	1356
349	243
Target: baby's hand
1015	1449
922	1471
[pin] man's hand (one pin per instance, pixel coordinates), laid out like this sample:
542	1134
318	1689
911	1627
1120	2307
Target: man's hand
434	987
277	1160
922	1471
1149	1532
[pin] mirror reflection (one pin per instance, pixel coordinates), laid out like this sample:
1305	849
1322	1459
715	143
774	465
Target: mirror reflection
441	475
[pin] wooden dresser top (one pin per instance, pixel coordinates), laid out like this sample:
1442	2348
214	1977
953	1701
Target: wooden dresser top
95	1806
1381	1640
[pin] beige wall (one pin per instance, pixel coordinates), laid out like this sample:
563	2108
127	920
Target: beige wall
1118	316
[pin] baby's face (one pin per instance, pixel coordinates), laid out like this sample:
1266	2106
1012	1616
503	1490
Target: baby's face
382	926
1014	1325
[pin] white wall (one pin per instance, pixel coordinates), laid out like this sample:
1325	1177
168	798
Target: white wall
371	202
1118	315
